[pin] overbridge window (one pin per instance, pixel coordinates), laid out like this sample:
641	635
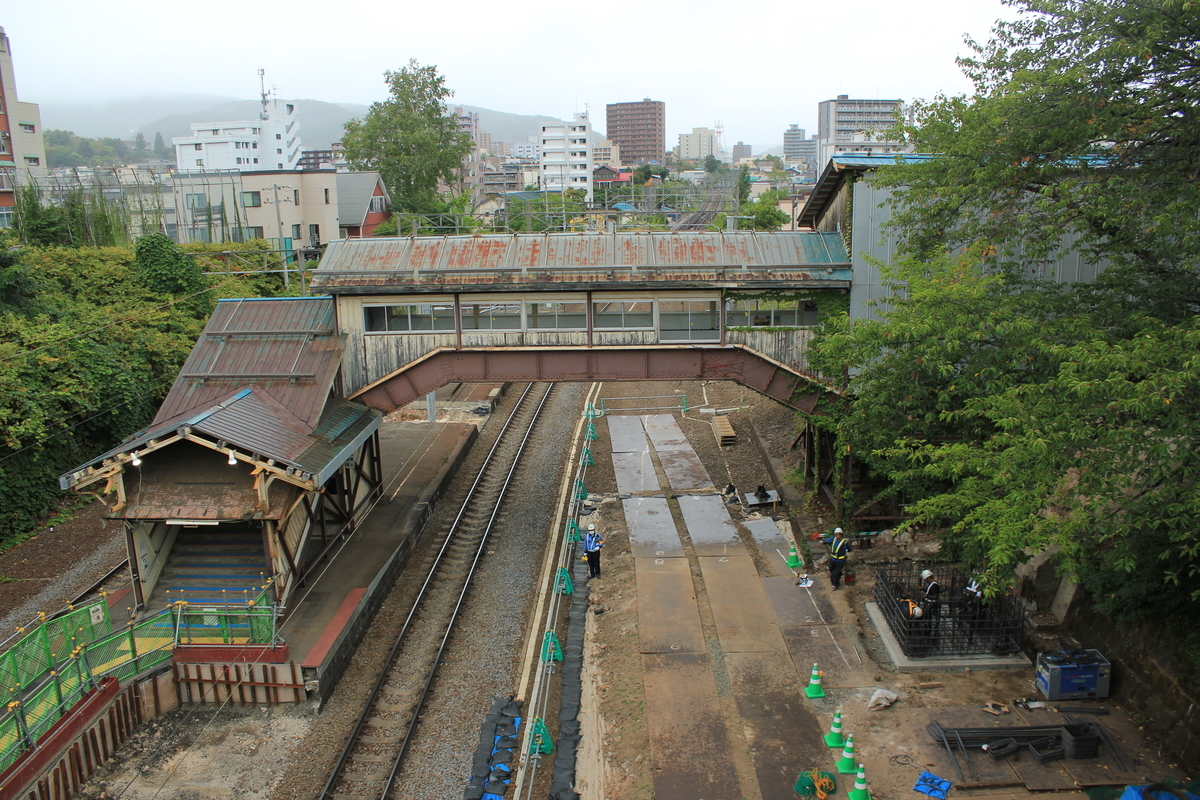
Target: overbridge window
770	313
491	317
557	316
414	318
624	314
689	321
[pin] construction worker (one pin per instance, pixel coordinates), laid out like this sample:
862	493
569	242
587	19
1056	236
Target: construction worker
931	605
839	553
592	542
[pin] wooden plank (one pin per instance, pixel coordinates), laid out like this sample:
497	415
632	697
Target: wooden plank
723	431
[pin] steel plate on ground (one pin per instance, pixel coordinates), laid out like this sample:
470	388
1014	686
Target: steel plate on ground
741	610
635	472
777	719
709	526
626	434
668	618
833	649
651	528
689	747
794	606
665	432
773	544
684	470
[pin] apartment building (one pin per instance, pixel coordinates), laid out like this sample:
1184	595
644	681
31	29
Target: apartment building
269	143
566	161
697	145
841	118
741	152
606	153
22	150
639	130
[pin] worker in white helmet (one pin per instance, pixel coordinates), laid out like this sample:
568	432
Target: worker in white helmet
931	606
839	553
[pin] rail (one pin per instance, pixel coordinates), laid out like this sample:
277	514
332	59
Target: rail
484	494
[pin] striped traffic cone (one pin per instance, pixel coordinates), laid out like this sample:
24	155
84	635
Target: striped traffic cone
814	684
794	561
859	792
845	764
835	738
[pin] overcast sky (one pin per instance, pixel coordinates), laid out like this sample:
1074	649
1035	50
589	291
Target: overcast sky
753	66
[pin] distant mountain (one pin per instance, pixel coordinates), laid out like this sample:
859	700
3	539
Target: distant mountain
321	123
121	118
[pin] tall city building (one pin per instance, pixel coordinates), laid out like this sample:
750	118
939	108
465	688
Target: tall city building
699	144
22	150
271	142
639	130
606	153
793	142
741	151
842	118
566	161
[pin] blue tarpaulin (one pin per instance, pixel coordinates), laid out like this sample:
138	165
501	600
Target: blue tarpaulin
932	785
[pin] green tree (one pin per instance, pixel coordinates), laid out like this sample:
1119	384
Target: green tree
1083	122
165	269
1019	414
712	164
160	146
139	142
743	184
410	137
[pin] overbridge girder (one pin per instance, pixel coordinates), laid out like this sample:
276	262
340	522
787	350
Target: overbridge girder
688	363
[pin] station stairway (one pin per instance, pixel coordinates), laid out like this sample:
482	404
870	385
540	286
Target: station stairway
210	569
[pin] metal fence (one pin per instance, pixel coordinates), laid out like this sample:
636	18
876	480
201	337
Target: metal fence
957	625
51	667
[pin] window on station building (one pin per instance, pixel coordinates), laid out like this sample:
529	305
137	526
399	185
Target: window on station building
491	316
623	314
251	199
409	318
556	316
770	313
689	321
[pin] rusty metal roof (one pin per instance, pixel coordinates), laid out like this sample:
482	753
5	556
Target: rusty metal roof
583	258
259	381
286	346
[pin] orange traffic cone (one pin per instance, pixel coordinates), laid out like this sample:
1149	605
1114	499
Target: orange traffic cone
814	684
859	792
835	738
845	764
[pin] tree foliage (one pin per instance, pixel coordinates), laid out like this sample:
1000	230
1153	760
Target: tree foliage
1086	121
410	138
1019	414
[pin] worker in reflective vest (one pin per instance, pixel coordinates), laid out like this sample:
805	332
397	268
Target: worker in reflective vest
839	552
592	542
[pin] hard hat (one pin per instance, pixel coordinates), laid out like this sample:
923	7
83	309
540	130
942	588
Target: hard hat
837	530
927	574
916	612
592	526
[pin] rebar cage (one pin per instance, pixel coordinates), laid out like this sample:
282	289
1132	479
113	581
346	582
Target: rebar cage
958	625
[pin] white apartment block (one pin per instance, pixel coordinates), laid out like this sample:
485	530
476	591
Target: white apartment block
566	161
858	144
699	144
271	142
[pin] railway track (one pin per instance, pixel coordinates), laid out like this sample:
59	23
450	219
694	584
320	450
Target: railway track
701	218
381	737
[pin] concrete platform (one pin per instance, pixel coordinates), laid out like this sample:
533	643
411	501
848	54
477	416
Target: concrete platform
329	615
905	663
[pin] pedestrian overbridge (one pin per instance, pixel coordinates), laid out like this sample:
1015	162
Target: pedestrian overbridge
420	312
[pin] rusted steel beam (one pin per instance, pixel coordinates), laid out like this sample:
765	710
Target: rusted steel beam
686	363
